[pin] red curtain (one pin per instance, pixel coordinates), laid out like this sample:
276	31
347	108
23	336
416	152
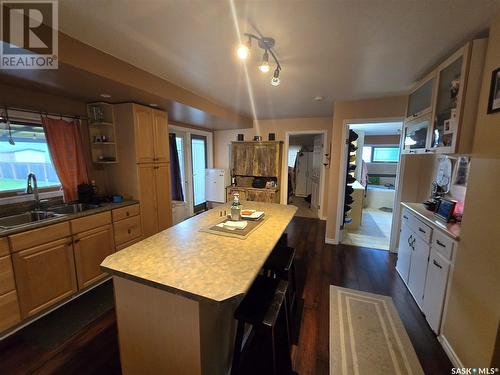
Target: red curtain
66	152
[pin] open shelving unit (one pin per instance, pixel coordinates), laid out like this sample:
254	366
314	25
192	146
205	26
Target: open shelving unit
102	133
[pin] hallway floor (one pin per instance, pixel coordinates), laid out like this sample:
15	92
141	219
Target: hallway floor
303	207
374	231
94	348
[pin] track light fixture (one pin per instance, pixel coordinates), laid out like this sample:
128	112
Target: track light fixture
267	45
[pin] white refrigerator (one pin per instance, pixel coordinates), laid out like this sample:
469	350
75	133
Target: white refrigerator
216	181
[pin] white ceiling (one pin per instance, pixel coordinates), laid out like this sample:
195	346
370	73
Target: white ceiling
333	48
378	128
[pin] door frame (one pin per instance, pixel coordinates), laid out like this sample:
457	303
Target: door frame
284	193
187	157
205	140
396	212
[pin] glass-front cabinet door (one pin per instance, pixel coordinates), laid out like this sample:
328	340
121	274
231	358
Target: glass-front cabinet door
420	99
448	101
416	133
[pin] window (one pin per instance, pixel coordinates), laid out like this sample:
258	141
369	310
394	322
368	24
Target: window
292	154
23	153
380	154
180	153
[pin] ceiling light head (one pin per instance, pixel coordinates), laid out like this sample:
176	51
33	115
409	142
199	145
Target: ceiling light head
243	50
264	65
275	81
318	98
153	105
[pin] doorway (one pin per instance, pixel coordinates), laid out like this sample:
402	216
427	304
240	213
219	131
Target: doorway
199	165
305	172
369	194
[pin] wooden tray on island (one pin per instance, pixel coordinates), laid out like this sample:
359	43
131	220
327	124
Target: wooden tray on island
235	233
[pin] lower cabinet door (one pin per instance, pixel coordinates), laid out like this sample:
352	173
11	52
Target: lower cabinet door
45	275
9	310
91	248
162	176
404	252
149	211
435	290
418	269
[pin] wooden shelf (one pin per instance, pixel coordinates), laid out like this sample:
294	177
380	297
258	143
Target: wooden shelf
103	143
99	124
104	127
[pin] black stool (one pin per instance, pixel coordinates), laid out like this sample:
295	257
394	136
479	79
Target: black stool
263	308
280	265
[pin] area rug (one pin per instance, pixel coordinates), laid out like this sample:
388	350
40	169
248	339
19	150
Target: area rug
367	335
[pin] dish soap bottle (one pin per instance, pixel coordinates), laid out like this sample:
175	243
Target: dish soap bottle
236	208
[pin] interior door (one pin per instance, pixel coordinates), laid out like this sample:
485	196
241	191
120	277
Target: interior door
301	175
309	173
199	164
317	159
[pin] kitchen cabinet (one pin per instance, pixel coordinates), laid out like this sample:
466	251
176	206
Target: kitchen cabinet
236	190
259	159
144	171
435	289
253	194
404	252
127	226
156	208
9	310
420	98
90	249
45	274
447	125
418	268
9	307
425	262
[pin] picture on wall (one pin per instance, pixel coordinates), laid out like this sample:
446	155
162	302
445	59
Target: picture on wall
494	101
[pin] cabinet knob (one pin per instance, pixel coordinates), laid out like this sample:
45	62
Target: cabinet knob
129	231
127	213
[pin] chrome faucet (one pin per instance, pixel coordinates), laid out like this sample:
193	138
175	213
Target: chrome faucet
32	188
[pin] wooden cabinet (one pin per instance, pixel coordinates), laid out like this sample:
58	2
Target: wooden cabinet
9	307
230	191
9	310
164	205
418	268
91	247
125	212
127	226
45	275
161	145
90	222
452	89
144	134
253	194
260	159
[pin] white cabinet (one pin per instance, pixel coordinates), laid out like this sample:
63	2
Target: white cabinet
404	254
418	268
425	261
435	289
303	174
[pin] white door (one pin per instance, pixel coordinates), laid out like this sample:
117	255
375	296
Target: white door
180	210
301	174
317	159
199	164
404	252
418	269
309	173
435	289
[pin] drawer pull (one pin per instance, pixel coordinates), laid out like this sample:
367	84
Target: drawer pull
129	231
440	243
127	214
76	241
436	263
421	230
405	217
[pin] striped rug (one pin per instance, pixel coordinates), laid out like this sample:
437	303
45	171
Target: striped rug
367	335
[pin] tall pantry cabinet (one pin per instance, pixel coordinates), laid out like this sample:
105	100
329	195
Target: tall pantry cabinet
143	172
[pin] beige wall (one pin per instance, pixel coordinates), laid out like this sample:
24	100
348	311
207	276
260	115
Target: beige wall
25	98
223	139
368	109
382	140
473	312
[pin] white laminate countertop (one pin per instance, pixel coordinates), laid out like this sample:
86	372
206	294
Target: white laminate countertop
199	265
450	229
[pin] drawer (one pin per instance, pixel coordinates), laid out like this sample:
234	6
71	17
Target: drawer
90	222
39	236
422	230
127	230
125	212
9	310
4	246
6	275
443	244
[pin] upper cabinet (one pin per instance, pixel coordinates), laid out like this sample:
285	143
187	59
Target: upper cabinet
102	134
151	135
259	159
442	108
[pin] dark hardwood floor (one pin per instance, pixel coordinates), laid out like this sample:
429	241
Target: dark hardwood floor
94	349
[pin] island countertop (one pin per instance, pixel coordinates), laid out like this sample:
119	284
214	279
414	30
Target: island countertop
200	265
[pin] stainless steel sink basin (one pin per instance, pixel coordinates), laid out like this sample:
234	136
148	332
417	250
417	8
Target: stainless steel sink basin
74	208
26	218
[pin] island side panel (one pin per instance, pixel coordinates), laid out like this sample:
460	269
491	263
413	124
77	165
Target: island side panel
158	331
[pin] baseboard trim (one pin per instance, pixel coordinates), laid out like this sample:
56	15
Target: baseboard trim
450	352
331	241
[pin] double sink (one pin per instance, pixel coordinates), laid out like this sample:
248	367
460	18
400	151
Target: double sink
36	216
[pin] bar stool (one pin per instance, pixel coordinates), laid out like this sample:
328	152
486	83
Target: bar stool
263	308
280	265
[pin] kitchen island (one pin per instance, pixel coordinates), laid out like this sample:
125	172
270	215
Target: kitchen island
175	292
